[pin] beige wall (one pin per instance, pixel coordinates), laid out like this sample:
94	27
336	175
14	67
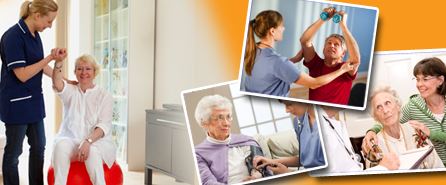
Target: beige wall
186	51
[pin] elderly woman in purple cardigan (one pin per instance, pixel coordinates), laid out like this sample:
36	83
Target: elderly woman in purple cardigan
221	156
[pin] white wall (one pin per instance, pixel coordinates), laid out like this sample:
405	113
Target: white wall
9	11
186	51
394	69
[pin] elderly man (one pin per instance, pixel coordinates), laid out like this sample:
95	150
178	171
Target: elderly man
221	156
335	48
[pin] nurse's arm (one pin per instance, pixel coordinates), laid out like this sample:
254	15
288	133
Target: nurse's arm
48	71
313	83
57	76
27	72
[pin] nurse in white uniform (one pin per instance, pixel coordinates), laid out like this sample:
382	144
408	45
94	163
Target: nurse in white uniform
85	134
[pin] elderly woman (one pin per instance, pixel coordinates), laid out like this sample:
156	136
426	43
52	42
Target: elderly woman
396	137
221	156
426	110
85	134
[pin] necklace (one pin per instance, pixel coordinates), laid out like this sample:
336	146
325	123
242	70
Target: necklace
266	44
387	143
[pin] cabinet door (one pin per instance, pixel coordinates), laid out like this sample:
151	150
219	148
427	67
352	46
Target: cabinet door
158	146
182	159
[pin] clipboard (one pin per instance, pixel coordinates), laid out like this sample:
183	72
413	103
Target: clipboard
412	159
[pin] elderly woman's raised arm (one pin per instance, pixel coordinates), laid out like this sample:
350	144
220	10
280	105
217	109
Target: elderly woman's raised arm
57	77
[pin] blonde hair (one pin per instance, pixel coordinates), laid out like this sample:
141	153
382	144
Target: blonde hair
89	60
37	6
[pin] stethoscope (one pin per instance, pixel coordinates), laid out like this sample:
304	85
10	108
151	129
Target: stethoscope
351	152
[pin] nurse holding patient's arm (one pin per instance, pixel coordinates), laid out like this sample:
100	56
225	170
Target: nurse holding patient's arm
268	72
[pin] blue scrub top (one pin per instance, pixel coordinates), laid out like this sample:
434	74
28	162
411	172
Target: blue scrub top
20	103
310	148
272	74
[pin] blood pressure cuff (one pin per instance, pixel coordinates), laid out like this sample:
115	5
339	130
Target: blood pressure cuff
256	151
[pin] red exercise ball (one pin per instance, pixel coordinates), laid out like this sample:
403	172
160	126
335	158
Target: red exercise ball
78	174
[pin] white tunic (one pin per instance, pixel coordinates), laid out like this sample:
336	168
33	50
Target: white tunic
85	111
340	154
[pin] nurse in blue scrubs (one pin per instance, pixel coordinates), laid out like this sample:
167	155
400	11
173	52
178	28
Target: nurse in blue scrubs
21	100
266	71
307	132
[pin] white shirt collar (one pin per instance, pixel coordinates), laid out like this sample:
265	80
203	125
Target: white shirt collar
215	141
86	91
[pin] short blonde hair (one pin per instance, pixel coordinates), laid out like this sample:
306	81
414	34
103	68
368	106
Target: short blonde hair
89	60
37	6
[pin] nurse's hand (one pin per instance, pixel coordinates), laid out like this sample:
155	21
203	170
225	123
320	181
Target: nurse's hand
83	151
420	126
347	66
275	167
59	54
258	160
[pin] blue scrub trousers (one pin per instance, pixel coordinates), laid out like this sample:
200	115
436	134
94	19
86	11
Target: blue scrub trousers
15	134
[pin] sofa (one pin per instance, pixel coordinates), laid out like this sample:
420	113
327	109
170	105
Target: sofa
278	145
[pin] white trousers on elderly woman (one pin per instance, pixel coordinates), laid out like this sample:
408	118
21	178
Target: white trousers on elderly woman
64	152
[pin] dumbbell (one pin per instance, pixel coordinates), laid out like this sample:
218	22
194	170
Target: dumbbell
336	17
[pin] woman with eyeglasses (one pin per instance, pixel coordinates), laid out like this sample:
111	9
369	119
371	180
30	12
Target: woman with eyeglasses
424	111
221	156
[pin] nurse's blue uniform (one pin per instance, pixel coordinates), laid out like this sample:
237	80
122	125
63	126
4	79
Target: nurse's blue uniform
22	106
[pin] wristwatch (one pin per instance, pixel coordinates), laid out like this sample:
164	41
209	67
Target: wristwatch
89	140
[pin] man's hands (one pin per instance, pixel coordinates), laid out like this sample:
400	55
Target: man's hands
331	11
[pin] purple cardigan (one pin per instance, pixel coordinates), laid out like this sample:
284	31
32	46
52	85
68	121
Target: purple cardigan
213	158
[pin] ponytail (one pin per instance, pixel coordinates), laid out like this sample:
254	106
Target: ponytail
24	9
250	51
259	26
37	6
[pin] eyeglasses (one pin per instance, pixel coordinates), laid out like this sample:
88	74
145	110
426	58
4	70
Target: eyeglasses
424	79
222	118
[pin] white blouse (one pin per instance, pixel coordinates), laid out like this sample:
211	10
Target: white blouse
83	112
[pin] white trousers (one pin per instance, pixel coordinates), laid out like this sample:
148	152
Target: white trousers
63	154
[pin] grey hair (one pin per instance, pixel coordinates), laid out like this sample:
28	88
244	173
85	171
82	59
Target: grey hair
340	37
207	104
383	89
